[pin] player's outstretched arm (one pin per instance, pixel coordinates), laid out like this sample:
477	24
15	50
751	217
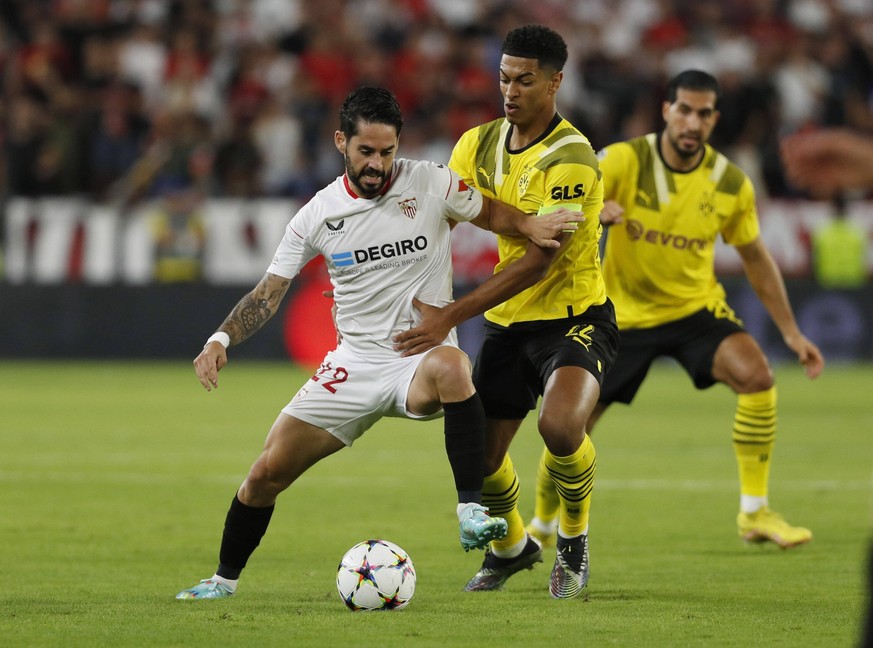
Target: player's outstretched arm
766	280
247	317
436	322
544	230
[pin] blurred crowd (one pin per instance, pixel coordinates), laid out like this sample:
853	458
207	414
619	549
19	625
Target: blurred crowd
120	100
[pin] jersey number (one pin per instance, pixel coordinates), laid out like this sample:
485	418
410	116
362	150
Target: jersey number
327	376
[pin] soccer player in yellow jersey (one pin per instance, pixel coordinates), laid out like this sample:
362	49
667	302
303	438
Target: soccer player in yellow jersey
669	195
557	337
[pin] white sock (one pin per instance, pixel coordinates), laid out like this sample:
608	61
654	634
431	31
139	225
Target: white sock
463	506
544	527
230	584
511	552
752	504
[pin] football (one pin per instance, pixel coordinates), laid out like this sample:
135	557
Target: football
375	575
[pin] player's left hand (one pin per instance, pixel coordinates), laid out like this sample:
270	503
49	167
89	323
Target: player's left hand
431	331
545	229
808	353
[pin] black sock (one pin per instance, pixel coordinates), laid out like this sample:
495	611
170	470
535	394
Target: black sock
243	529
465	446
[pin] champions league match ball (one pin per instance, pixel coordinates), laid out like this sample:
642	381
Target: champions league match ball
375	575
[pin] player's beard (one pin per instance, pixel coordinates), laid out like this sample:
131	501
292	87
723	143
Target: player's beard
355	178
685	154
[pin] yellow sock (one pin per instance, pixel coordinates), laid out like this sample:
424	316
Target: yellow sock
500	495
753	435
573	477
547	501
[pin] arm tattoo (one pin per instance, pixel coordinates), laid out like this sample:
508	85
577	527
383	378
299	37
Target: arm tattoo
253	311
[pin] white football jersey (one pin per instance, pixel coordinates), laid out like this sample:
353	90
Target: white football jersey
381	252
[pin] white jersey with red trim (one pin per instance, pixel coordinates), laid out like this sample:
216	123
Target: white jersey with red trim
381	252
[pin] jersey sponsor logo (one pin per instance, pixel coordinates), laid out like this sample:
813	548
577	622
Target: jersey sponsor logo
636	231
581	334
567	192
482	171
408	207
335	229
378	252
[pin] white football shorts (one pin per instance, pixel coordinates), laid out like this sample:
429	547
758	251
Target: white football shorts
348	394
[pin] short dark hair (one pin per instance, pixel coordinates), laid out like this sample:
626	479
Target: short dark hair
693	80
536	42
371	105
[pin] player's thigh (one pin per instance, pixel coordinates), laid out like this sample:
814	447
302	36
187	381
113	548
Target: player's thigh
571	358
348	394
504	377
714	347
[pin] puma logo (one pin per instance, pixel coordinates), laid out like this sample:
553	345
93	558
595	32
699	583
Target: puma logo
645	197
484	173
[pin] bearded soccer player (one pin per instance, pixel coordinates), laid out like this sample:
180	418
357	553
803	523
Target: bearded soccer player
557	337
383	228
669	195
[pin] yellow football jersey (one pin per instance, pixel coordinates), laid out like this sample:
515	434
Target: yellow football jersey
659	264
560	167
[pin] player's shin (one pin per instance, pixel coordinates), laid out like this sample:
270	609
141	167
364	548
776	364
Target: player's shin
243	529
573	479
546	504
500	495
465	446
754	433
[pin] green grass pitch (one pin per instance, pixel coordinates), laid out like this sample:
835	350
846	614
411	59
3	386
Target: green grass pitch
115	478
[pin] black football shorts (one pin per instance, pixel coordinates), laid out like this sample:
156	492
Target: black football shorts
515	362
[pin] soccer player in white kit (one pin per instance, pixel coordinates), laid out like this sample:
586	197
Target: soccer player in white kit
384	229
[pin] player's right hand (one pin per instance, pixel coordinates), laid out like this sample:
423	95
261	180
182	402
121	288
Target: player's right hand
207	365
544	230
611	214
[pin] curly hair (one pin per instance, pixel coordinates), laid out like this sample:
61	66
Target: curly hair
537	42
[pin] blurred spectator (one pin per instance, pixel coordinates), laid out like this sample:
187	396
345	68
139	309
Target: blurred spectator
27	127
830	161
839	250
142	58
238	163
116	138
284	65
278	135
177	226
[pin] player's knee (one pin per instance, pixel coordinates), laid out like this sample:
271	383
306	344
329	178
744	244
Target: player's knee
450	369
562	435
757	379
493	461
264	483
